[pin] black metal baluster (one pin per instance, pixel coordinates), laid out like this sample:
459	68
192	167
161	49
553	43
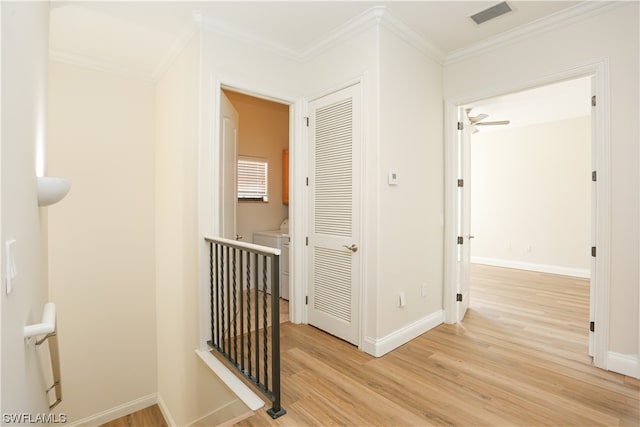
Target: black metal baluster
242	333
235	308
228	303
257	319
222	295
276	410
212	295
265	332
249	312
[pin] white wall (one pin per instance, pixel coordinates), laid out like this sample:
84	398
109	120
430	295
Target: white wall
24	78
613	35
409	233
531	196
101	238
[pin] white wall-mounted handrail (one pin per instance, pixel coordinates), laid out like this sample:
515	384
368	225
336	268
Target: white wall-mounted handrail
48	328
48	324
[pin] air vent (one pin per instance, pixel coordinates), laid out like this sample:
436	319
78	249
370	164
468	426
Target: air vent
491	13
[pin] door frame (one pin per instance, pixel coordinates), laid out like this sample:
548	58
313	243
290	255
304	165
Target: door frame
210	197
602	222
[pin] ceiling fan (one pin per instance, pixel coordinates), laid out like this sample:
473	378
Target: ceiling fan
477	121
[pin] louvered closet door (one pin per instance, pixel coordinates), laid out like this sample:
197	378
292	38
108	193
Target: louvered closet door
334	181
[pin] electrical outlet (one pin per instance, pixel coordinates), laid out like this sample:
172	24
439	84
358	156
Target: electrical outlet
424	290
402	299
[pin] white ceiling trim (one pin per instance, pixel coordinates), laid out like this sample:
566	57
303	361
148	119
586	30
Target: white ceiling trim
350	28
186	34
216	27
402	30
97	65
562	18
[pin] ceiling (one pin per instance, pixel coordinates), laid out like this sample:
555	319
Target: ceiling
135	37
558	101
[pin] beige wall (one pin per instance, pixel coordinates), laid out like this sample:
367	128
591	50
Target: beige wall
101	237
410	234
187	389
531	196
612	35
24	89
263	132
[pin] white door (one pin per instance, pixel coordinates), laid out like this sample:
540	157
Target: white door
334	239
229	120
463	259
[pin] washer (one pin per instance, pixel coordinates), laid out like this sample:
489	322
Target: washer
278	239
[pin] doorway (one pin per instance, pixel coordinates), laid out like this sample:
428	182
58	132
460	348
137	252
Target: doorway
531	208
255	145
455	285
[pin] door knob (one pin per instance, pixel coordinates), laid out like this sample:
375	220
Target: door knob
239	237
353	248
471	237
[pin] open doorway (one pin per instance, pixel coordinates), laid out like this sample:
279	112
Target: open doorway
531	212
457	232
257	168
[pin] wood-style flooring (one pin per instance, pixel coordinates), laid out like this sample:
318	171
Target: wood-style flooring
148	417
518	359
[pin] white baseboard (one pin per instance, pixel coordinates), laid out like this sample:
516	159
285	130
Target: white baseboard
380	346
541	268
625	364
117	412
234	383
165	412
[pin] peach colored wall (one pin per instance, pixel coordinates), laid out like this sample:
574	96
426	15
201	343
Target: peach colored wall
264	133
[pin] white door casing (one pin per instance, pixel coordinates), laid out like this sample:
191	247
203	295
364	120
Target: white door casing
229	121
601	219
463	271
334	220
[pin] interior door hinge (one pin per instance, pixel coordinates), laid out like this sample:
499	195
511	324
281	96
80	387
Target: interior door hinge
460	240
592	326
459	297
593	101
307	181
461	183
594	176
460	126
306	241
306	300
306	119
593	251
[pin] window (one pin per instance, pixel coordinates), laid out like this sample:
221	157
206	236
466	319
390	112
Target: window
252	179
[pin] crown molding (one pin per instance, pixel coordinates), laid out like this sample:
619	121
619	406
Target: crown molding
186	34
97	65
206	23
562	18
333	38
405	32
376	15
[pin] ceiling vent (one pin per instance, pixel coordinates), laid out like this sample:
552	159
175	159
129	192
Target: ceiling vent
491	13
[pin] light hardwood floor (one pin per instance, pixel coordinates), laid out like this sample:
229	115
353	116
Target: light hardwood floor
148	417
519	359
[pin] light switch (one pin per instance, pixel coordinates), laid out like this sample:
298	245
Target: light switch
11	270
393	178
